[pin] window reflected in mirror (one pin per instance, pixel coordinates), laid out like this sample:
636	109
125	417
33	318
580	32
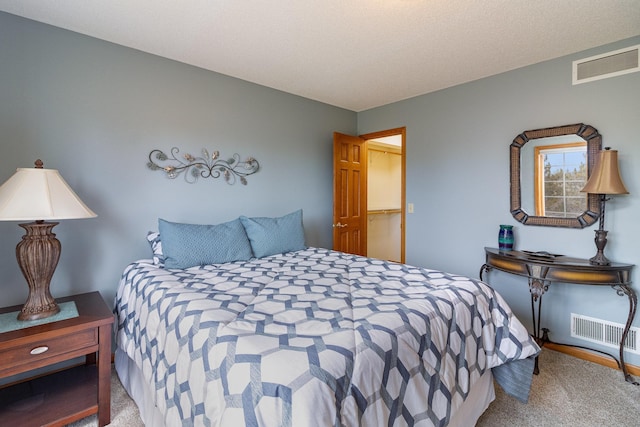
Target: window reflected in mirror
548	168
560	172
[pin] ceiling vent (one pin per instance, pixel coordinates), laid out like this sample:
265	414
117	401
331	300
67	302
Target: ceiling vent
610	64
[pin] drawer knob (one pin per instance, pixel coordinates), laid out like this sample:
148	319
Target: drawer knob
39	350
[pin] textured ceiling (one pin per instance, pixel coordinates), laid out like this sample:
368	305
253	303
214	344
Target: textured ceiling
355	54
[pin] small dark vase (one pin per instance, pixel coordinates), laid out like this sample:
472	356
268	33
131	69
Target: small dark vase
505	238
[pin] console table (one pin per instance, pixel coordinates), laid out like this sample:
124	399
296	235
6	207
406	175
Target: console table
541	269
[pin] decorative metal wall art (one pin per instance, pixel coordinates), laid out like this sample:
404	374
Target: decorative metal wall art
207	166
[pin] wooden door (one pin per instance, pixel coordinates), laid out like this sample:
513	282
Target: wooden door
349	194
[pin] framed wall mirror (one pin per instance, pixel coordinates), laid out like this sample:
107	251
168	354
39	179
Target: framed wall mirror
549	167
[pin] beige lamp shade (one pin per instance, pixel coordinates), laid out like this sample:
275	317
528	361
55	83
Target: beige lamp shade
40	194
605	178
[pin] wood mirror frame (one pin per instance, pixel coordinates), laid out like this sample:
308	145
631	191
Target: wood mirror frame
594	145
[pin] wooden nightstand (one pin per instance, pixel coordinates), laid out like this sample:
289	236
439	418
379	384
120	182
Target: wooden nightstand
65	396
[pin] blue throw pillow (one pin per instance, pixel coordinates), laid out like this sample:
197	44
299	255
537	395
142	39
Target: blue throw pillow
189	245
269	236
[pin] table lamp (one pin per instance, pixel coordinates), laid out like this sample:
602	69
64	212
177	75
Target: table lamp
38	195
604	180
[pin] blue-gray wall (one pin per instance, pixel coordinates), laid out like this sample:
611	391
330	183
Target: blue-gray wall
458	178
95	110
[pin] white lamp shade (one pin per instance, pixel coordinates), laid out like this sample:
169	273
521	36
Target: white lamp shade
40	194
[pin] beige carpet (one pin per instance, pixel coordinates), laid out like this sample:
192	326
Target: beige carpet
568	392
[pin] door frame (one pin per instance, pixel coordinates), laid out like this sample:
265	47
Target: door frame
402	131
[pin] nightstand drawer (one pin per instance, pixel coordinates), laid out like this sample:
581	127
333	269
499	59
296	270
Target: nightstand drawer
47	348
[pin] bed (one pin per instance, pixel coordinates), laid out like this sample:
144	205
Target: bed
314	337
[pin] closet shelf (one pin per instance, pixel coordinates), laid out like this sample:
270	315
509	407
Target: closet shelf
384	211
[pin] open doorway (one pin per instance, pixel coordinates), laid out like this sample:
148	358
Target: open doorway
384	198
376	201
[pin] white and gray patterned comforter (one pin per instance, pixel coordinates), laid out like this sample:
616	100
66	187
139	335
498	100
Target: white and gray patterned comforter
313	338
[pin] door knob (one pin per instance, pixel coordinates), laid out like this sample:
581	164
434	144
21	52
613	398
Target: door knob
339	225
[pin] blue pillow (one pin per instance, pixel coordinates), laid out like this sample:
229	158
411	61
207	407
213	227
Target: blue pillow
269	236
189	245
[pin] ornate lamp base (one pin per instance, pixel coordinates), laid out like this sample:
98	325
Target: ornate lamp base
38	254
601	242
